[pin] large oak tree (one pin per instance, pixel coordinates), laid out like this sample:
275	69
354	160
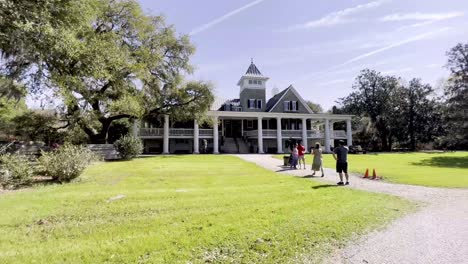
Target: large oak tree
105	59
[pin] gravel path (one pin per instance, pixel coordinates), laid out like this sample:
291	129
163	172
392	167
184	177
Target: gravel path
436	233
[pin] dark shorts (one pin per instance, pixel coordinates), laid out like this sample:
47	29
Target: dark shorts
342	167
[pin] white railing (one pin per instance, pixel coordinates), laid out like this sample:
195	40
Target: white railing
205	132
315	134
339	133
271	133
151	132
174	132
291	133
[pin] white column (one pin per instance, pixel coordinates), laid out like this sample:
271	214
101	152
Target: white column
279	137
349	133
196	149
260	136
242	128
332	134
215	136
136	128
304	133
327	136
166	135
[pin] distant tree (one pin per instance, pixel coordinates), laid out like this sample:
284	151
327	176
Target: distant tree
374	96
420	113
316	108
9	110
456	93
105	59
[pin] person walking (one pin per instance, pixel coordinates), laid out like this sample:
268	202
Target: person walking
301	151
294	157
340	154
317	163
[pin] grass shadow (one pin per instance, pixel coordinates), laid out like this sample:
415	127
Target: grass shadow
445	162
324	186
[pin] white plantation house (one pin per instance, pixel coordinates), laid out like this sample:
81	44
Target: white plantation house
248	124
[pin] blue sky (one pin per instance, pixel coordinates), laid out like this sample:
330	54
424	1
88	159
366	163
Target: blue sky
318	46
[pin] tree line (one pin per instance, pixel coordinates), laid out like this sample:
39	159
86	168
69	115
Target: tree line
390	113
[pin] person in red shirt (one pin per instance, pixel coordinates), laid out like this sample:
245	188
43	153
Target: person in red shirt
301	151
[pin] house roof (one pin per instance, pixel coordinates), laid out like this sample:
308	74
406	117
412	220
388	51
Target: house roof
272	102
253	70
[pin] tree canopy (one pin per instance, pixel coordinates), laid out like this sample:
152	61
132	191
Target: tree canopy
456	91
106	60
316	108
407	114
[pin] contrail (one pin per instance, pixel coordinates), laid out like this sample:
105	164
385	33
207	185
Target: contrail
222	18
365	55
391	46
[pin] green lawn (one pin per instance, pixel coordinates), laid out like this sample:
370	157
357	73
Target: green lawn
428	169
182	209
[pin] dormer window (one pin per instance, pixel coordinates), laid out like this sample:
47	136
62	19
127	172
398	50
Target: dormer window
291	106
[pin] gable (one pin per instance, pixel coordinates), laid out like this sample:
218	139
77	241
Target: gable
290	94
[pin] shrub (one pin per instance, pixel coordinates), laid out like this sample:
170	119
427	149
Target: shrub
15	171
66	163
129	147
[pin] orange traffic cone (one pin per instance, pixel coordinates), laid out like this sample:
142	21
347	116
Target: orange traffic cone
374	175
366	175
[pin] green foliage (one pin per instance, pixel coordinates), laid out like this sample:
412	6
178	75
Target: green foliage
39	126
9	110
181	209
15	171
316	108
107	60
66	163
394	112
129	147
456	105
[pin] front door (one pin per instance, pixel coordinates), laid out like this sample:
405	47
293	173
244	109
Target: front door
232	128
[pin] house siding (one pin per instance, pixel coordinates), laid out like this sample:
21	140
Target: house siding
289	96
247	94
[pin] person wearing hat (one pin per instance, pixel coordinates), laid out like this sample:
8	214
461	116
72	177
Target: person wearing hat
340	154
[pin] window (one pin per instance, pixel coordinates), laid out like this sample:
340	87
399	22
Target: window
250	81
259	82
254	104
251	104
249	123
293	106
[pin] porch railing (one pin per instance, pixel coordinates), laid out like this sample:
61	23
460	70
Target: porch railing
271	133
175	132
339	133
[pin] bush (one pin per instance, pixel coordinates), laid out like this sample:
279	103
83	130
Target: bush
129	147
66	163
15	171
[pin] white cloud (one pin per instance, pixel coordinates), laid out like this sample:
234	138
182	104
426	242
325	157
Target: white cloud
338	17
421	16
224	17
394	45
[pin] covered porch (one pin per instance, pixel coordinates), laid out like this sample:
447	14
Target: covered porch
260	132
